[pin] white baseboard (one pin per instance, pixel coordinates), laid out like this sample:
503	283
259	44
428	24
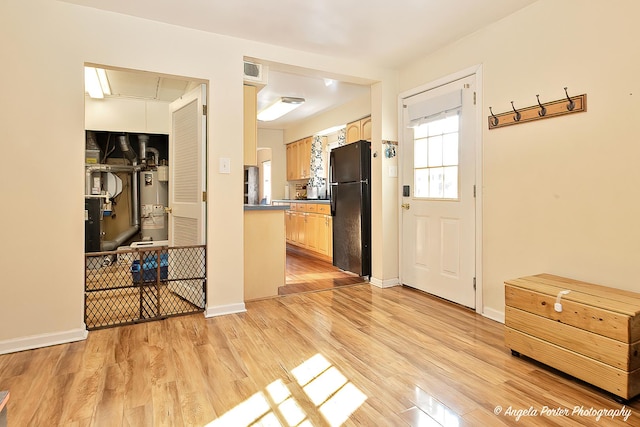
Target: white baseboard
492	314
222	310
42	340
388	283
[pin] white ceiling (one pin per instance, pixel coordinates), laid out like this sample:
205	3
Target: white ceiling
387	33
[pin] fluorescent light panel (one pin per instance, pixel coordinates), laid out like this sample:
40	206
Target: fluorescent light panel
104	81
96	82
279	108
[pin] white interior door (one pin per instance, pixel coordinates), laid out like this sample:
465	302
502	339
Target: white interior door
187	180
187	169
438	171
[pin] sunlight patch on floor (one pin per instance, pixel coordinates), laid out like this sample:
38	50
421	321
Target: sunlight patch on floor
331	392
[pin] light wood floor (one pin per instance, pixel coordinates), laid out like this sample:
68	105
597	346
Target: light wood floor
372	357
305	273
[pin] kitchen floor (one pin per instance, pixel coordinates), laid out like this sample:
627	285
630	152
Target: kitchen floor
305	273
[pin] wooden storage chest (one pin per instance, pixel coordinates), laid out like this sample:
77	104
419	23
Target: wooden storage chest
595	337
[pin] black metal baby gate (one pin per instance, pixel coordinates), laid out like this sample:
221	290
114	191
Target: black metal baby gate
141	284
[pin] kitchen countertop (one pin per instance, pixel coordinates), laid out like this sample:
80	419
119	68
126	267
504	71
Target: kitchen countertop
266	208
319	201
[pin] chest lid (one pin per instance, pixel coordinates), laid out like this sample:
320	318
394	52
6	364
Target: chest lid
616	300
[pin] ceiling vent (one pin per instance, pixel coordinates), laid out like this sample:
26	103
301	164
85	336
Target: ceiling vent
255	73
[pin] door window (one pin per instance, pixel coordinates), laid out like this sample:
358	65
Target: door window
435	168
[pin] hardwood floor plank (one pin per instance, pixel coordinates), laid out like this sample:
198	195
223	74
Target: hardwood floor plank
360	354
166	405
111	406
306	273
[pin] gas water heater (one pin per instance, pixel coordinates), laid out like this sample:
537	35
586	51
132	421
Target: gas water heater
154	198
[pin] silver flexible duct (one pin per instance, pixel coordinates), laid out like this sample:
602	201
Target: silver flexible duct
156	154
142	149
111	245
127	150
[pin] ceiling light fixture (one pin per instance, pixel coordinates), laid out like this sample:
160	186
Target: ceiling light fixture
279	108
96	82
104	81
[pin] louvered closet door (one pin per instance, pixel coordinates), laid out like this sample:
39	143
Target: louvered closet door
187	187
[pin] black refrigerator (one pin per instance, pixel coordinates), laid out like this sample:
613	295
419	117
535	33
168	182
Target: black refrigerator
350	179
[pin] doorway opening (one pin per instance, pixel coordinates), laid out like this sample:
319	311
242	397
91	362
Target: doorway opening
299	164
145	181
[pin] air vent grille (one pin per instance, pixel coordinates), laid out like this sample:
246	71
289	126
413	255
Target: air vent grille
252	70
255	74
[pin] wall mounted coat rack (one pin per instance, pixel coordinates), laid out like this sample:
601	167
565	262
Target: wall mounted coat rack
567	105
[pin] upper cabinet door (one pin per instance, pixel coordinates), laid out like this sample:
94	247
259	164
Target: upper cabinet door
365	129
353	132
359	130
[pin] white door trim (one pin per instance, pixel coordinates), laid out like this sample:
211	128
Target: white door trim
477	71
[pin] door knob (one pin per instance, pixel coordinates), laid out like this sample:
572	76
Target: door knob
168	210
405	206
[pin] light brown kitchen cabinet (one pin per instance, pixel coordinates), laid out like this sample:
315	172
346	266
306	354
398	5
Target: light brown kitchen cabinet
304	157
359	130
250	126
292	161
325	237
299	232
314	230
299	159
309	226
288	220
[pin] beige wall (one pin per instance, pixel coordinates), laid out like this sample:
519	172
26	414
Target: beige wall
43	108
341	115
560	195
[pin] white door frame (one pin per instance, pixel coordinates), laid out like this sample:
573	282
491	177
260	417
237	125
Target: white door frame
477	71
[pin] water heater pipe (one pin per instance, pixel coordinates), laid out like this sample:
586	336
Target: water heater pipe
90	169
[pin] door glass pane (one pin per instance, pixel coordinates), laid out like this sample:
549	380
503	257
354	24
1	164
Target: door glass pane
420	158
436	182
450	149
436	159
451	182
435	151
421	184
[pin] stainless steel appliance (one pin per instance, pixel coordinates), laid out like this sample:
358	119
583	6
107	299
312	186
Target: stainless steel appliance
350	177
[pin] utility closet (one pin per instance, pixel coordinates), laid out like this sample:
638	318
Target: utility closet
126	189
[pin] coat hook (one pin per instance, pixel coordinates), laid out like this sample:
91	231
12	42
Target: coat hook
571	105
543	109
494	119
518	116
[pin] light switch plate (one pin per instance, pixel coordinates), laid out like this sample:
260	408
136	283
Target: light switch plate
225	165
393	171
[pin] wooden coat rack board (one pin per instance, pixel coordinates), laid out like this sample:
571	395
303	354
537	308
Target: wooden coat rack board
568	105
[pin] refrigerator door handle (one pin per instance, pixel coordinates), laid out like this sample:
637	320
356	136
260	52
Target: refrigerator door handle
334	190
331	166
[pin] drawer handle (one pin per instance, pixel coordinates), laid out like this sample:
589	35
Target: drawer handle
558	305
